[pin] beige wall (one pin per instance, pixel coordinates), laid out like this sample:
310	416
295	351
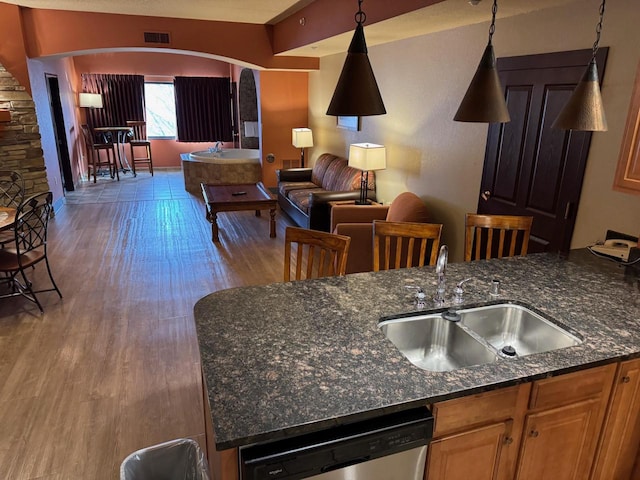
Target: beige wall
422	81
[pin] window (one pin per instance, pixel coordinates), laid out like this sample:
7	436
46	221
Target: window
161	110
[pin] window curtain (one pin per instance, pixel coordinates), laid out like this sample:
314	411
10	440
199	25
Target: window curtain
122	99
203	109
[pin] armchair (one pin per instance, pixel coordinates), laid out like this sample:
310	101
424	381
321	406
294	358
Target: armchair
356	221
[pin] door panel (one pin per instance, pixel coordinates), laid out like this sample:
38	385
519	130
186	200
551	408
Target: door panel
531	168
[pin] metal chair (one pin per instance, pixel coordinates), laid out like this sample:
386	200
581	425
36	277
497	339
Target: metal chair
11	188
11	195
32	220
140	140
512	233
317	254
95	161
404	244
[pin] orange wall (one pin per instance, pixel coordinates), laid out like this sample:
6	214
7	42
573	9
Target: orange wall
55	32
13	55
151	64
284	105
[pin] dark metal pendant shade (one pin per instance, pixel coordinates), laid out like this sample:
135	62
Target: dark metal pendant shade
584	110
484	100
357	92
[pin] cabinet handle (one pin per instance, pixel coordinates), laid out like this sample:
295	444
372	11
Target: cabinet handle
626	379
534	433
508	440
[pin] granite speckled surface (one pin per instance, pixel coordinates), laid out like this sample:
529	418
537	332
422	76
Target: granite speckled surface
296	357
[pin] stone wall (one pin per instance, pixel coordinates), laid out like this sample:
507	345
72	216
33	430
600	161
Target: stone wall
20	146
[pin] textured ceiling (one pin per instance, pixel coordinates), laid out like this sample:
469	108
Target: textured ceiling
441	16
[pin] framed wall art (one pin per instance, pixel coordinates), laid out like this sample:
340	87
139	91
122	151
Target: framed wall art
349	123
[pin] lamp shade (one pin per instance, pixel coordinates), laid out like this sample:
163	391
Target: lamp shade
584	111
484	100
90	100
367	156
357	93
302	137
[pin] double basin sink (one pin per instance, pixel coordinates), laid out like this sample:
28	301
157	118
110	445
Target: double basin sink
453	339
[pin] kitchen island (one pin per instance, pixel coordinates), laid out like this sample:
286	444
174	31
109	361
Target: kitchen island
291	358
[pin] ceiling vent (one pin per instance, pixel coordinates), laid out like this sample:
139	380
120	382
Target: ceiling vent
156	37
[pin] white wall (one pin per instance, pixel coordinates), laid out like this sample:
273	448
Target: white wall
422	81
37	71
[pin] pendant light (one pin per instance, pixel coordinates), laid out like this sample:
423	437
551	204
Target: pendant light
357	92
584	111
484	100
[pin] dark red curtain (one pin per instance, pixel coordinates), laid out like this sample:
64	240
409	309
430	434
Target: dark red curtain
122	98
203	109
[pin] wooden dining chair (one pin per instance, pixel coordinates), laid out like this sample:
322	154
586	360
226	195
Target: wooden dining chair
496	236
314	254
404	244
29	249
95	159
139	141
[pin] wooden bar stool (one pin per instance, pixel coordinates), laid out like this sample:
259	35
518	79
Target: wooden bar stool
94	158
140	141
317	254
495	236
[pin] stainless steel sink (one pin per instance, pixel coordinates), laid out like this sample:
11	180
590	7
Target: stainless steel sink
476	336
435	344
517	329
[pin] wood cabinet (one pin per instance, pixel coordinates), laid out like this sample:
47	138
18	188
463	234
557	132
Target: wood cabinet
621	433
545	429
477	436
627	177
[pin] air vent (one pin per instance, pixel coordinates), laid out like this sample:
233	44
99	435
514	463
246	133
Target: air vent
156	37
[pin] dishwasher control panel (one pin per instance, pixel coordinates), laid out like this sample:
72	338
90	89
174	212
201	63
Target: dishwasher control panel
337	448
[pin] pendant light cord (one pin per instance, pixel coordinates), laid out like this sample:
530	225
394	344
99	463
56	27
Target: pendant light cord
596	44
360	16
492	27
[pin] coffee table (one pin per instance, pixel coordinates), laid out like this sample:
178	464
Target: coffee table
232	198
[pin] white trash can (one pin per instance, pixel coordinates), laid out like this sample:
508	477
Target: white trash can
180	459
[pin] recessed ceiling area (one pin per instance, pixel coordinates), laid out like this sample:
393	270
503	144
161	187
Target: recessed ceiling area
440	16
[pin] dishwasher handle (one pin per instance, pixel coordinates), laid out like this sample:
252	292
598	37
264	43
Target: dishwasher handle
338	466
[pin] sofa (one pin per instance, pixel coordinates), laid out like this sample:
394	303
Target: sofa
304	193
356	221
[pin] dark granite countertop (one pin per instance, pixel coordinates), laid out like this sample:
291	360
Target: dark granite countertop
290	358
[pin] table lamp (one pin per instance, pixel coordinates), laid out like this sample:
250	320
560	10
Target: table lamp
301	138
366	157
90	100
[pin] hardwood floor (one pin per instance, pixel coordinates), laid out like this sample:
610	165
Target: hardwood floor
114	366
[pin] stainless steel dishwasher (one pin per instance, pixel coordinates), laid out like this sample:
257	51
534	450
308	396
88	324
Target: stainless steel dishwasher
390	447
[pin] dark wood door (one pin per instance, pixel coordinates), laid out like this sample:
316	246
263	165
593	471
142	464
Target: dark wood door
529	167
62	147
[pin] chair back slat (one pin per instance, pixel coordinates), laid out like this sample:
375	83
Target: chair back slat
409	242
317	254
512	232
139	129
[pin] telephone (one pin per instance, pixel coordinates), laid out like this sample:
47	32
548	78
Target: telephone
615	247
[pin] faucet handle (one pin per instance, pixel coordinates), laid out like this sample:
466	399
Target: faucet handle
420	296
458	292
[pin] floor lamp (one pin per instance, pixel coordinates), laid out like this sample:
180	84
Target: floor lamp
366	157
301	138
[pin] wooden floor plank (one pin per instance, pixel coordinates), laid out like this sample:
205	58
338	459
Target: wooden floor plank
114	367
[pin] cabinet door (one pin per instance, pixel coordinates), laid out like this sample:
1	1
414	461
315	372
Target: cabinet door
621	435
479	454
560	443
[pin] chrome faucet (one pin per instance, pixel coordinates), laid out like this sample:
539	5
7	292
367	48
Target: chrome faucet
217	148
441	271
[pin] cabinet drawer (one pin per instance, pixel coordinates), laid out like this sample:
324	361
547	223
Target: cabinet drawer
572	387
483	408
